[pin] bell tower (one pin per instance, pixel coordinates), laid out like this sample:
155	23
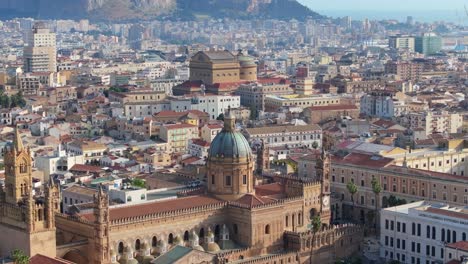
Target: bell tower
29	223
18	179
101	227
323	175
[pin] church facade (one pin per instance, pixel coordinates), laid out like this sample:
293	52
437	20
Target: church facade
26	222
232	219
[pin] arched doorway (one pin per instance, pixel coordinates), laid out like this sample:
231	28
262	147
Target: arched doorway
312	213
201	234
216	233
137	244
170	239
186	236
154	242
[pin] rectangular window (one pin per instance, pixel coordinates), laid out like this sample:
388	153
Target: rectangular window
419	229
404	228
392	225
413	246
212	179
244	179
398	226
228	180
386	224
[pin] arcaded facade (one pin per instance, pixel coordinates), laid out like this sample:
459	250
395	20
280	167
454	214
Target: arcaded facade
230	220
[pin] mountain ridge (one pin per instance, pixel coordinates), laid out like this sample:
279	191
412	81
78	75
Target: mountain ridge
124	10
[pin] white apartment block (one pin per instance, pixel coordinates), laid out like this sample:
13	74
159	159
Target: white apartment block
291	136
418	232
165	85
436	122
215	105
378	105
40	55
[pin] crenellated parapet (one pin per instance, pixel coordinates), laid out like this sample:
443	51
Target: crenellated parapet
328	236
252	255
171	213
280	202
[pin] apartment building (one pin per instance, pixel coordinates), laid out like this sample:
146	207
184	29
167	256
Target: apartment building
436	121
403	182
178	136
418	232
275	102
91	151
309	136
253	94
404	70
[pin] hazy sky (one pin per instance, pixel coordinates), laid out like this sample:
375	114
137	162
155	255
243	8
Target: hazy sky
393	5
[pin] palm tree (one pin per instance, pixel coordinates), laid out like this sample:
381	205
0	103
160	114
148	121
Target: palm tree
352	189
19	257
314	226
377	189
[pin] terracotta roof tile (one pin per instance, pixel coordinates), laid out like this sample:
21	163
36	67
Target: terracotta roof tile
85	168
463	245
158	207
41	259
253	200
363	160
269	189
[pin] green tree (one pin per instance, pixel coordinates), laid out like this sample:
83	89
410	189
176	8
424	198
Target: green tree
376	189
314	226
315	145
220	117
19	257
352	189
139	183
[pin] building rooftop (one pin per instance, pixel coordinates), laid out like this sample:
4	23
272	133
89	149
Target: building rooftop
282	129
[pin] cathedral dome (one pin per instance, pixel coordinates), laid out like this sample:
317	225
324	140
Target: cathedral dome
230	143
213	247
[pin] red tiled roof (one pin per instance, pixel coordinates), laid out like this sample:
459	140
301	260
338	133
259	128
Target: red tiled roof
333	107
253	200
41	259
269	189
449	214
384	123
169	113
158	207
85	168
363	160
177	126
200	142
463	245
190	160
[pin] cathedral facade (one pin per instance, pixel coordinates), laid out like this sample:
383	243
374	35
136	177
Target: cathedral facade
27	222
232	219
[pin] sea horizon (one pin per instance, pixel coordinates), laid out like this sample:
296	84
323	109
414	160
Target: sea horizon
427	16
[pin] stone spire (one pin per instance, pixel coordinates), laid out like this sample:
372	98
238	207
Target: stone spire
229	121
17	141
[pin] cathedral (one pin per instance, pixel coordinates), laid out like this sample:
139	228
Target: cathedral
27	222
234	218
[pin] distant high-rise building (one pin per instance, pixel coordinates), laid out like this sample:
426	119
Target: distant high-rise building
410	20
40	54
135	36
400	42
428	44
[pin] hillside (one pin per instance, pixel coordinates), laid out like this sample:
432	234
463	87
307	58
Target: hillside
121	10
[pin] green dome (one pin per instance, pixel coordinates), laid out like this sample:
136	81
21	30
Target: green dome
230	144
